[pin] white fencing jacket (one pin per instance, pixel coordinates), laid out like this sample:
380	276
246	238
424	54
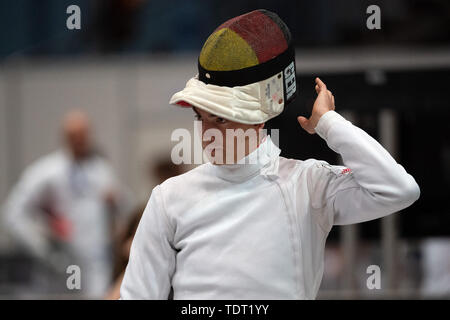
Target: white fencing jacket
258	231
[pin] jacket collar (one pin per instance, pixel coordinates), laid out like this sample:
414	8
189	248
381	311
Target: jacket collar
262	161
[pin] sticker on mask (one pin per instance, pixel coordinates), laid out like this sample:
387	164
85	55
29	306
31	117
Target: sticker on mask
273	94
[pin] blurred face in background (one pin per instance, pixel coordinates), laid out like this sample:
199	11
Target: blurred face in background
242	138
76	134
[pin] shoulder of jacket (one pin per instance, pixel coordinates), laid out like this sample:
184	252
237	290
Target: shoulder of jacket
180	188
178	181
292	168
320	174
46	166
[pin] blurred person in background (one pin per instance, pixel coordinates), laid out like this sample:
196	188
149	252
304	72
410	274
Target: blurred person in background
64	211
124	241
163	169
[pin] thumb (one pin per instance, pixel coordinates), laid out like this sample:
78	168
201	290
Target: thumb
303	122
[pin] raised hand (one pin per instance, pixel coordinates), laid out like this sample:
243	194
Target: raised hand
324	103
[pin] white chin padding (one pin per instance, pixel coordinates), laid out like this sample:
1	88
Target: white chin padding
250	104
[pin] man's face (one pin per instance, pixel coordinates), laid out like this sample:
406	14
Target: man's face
237	139
76	131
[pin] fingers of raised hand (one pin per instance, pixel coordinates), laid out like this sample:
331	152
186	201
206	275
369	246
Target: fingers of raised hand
320	85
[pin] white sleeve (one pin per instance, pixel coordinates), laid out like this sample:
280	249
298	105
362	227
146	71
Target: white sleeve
371	185
152	257
22	213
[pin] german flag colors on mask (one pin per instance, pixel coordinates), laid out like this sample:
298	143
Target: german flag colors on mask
245	41
253	54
